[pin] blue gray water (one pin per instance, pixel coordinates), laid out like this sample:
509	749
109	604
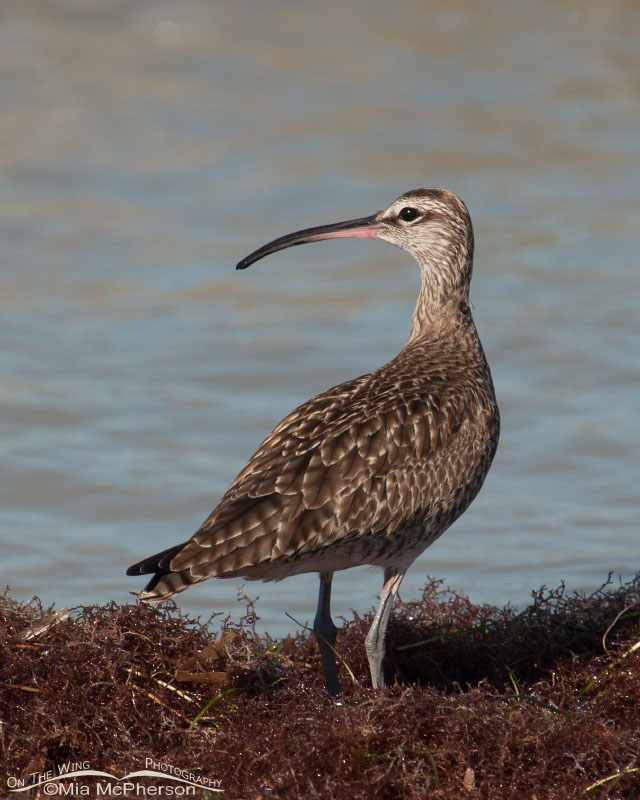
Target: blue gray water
145	147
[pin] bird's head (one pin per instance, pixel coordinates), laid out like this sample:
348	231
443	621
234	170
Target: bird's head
433	225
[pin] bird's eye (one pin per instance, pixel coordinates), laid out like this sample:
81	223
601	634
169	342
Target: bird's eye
407	214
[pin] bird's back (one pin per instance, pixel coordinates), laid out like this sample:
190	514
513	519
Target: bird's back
369	472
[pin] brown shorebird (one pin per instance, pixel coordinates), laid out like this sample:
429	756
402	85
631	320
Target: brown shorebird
371	471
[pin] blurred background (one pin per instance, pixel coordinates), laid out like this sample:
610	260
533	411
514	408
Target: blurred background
146	147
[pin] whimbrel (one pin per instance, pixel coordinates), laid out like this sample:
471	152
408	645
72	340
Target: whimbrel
374	470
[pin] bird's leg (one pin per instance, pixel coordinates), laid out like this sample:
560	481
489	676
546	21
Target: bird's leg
374	642
325	632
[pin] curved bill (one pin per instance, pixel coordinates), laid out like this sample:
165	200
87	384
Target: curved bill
363	228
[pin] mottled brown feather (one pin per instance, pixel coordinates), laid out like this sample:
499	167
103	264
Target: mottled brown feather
370	477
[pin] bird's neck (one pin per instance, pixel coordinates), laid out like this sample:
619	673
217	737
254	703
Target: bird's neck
444	294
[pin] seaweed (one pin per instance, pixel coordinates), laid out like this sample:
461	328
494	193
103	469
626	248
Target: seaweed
481	702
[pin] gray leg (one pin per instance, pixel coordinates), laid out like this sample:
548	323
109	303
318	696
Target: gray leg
326	631
374	642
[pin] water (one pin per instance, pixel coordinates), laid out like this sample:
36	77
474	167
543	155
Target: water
146	147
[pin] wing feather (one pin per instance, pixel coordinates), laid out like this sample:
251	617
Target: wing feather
360	460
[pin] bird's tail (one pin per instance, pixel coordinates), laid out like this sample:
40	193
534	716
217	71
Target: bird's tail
165	582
